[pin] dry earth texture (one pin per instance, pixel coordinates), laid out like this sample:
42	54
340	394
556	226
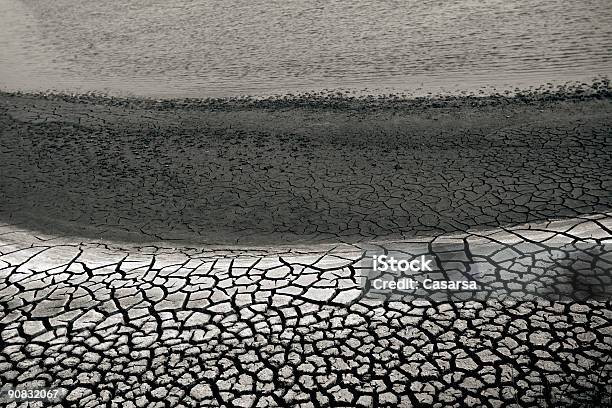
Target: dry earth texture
210	254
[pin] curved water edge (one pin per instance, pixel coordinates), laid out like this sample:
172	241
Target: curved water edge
594	88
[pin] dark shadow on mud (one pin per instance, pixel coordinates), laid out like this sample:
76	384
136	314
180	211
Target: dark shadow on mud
262	176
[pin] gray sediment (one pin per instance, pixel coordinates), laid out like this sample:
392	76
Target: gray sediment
301	168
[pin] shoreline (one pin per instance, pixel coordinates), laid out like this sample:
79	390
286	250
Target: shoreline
598	88
250	174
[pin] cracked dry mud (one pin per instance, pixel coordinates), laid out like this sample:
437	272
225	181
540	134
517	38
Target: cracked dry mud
180	257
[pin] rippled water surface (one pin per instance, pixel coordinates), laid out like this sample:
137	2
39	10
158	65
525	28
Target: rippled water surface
220	48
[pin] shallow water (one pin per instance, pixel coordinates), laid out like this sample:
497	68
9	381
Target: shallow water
191	48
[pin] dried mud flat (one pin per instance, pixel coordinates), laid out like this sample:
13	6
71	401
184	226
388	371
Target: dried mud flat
208	255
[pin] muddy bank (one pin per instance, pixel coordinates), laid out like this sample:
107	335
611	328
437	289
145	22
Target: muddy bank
258	173
148	312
